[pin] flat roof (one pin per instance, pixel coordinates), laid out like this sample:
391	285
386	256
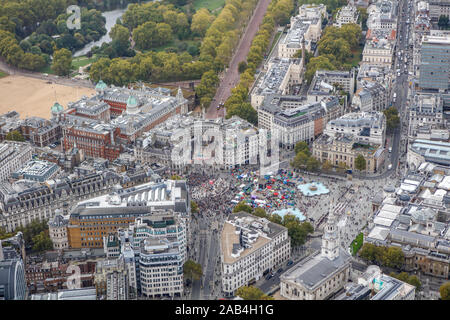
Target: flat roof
229	237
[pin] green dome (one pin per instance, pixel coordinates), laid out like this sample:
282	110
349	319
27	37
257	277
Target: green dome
101	85
57	108
131	102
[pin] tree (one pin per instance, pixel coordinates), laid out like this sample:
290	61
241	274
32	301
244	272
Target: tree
444	290
312	164
145	35
367	252
120	34
414	281
297	231
275	218
164	32
175	177
260	212
342	166
360	162
14	136
201	21
192	270
300	160
302	146
42	242
194	207
318	63
241	206
244	111
392	119
252	293
405	277
242	66
62	62
326	165
394	257
363	15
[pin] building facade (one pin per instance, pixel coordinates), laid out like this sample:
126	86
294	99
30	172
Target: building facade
250	247
321	275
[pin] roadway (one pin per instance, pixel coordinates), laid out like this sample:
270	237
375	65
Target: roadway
67	81
231	76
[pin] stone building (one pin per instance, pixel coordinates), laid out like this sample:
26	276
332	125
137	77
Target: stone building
250	247
321	275
22	202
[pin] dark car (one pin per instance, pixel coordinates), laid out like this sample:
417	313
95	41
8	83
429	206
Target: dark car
280	270
270	276
290	262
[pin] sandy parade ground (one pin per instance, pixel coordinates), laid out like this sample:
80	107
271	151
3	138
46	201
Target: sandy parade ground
35	97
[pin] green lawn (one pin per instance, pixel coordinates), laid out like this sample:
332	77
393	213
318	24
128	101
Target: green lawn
47	69
208	4
82	61
3	74
357	243
174	43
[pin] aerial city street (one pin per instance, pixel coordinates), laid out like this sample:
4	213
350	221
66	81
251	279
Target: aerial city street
225	150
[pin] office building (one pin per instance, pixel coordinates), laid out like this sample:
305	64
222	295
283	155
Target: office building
342	150
12	275
250	247
420	151
93	219
291	119
426	111
36	170
184	140
435	63
374	285
13	155
281	75
364	127
347	14
371	96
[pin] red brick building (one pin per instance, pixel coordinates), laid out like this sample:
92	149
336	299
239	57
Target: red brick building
96	140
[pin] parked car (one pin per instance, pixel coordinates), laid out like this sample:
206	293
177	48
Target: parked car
290	262
280	270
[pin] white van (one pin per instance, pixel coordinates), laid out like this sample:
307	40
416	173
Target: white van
390	167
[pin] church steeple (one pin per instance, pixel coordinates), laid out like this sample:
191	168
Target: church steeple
330	238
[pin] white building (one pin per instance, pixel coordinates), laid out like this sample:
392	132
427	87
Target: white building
319	276
374	285
302	29
281	75
291	119
13	155
382	15
224	143
365	127
57	227
156	246
426	111
378	52
371	96
250	246
347	14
